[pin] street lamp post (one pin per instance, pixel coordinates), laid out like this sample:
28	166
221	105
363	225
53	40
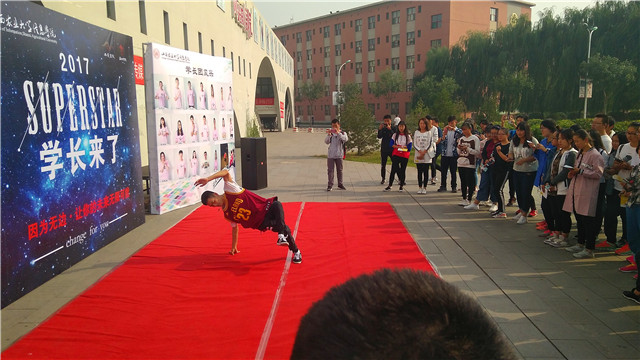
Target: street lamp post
339	70
590	29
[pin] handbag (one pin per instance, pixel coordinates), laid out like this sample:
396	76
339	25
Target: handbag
401	153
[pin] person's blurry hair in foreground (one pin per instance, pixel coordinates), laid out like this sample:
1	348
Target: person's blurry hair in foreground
401	314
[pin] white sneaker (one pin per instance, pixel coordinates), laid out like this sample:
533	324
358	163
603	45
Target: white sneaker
493	208
424	190
472	206
522	220
561	242
517	217
464	202
584	254
282	240
551	239
575	248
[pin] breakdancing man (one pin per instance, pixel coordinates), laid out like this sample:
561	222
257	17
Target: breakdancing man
241	206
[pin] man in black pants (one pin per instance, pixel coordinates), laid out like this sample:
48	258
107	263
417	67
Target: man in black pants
449	160
385	131
241	206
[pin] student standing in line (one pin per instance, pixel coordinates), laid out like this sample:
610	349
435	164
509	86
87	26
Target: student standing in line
582	195
525	167
468	151
401	143
424	141
501	170
385	132
434	165
448	162
613	210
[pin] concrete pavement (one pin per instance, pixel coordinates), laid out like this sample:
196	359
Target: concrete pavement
550	305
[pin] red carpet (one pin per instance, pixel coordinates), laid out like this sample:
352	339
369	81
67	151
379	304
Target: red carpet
183	297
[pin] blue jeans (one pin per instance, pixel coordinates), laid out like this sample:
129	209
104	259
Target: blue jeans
524	185
485	189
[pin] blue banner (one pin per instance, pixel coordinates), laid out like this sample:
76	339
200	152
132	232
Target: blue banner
71	173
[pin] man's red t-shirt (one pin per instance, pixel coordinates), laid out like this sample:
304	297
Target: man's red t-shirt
244	207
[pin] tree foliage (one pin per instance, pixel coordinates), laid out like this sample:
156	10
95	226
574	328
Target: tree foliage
311	91
389	83
536	69
360	125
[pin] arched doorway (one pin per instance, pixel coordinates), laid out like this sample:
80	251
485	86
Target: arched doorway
267	102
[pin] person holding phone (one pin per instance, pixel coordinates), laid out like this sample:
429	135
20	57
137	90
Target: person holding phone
335	139
525	166
385	132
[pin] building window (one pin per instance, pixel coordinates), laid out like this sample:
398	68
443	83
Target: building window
327	72
395	108
224	52
233	68
407	107
395	63
378	62
200	42
283	40
371	20
411	14
411	38
436	21
309	55
298	56
370	86
111	9
371	44
308	73
358	25
327	108
418	57
167	37
359	68
372	108
244	67
493	14
411	62
239	70
395	17
359	46
326	52
436	43
298	73
409	85
337	29
395	40
308	33
185	34
326	32
143	16
372	66
298	38
338	50
419	33
249	70
419	8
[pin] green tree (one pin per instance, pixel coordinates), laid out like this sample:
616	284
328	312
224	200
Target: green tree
510	85
311	92
611	77
389	83
418	111
360	125
439	96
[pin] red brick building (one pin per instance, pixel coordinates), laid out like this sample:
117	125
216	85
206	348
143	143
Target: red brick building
387	34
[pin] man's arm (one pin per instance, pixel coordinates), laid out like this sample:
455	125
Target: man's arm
234	240
224	173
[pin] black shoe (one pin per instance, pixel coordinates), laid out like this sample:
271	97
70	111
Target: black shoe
631	295
341	187
382	182
620	243
328	188
442	189
454	190
297	258
388	188
282	240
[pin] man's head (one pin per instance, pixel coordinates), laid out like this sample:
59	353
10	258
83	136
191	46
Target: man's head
335	124
209	198
387	119
403	314
600	123
452	121
520	118
611	124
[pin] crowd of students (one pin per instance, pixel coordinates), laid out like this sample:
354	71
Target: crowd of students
592	174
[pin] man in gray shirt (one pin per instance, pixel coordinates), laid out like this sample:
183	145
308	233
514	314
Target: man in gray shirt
335	139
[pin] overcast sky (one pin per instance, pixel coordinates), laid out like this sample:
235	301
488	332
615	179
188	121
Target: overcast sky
281	12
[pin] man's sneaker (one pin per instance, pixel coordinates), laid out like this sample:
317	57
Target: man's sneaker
388	188
282	240
541	223
623	249
533	213
493	208
517	217
329	188
551	239
382	182
464	202
341	187
400	189
631	295
584	254
297	258
522	220
629	268
560	243
442	189
630	259
604	245
575	248
511	203
500	215
620	243
433	181
472	206
454	190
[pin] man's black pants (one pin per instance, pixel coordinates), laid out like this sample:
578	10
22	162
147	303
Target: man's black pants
274	220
